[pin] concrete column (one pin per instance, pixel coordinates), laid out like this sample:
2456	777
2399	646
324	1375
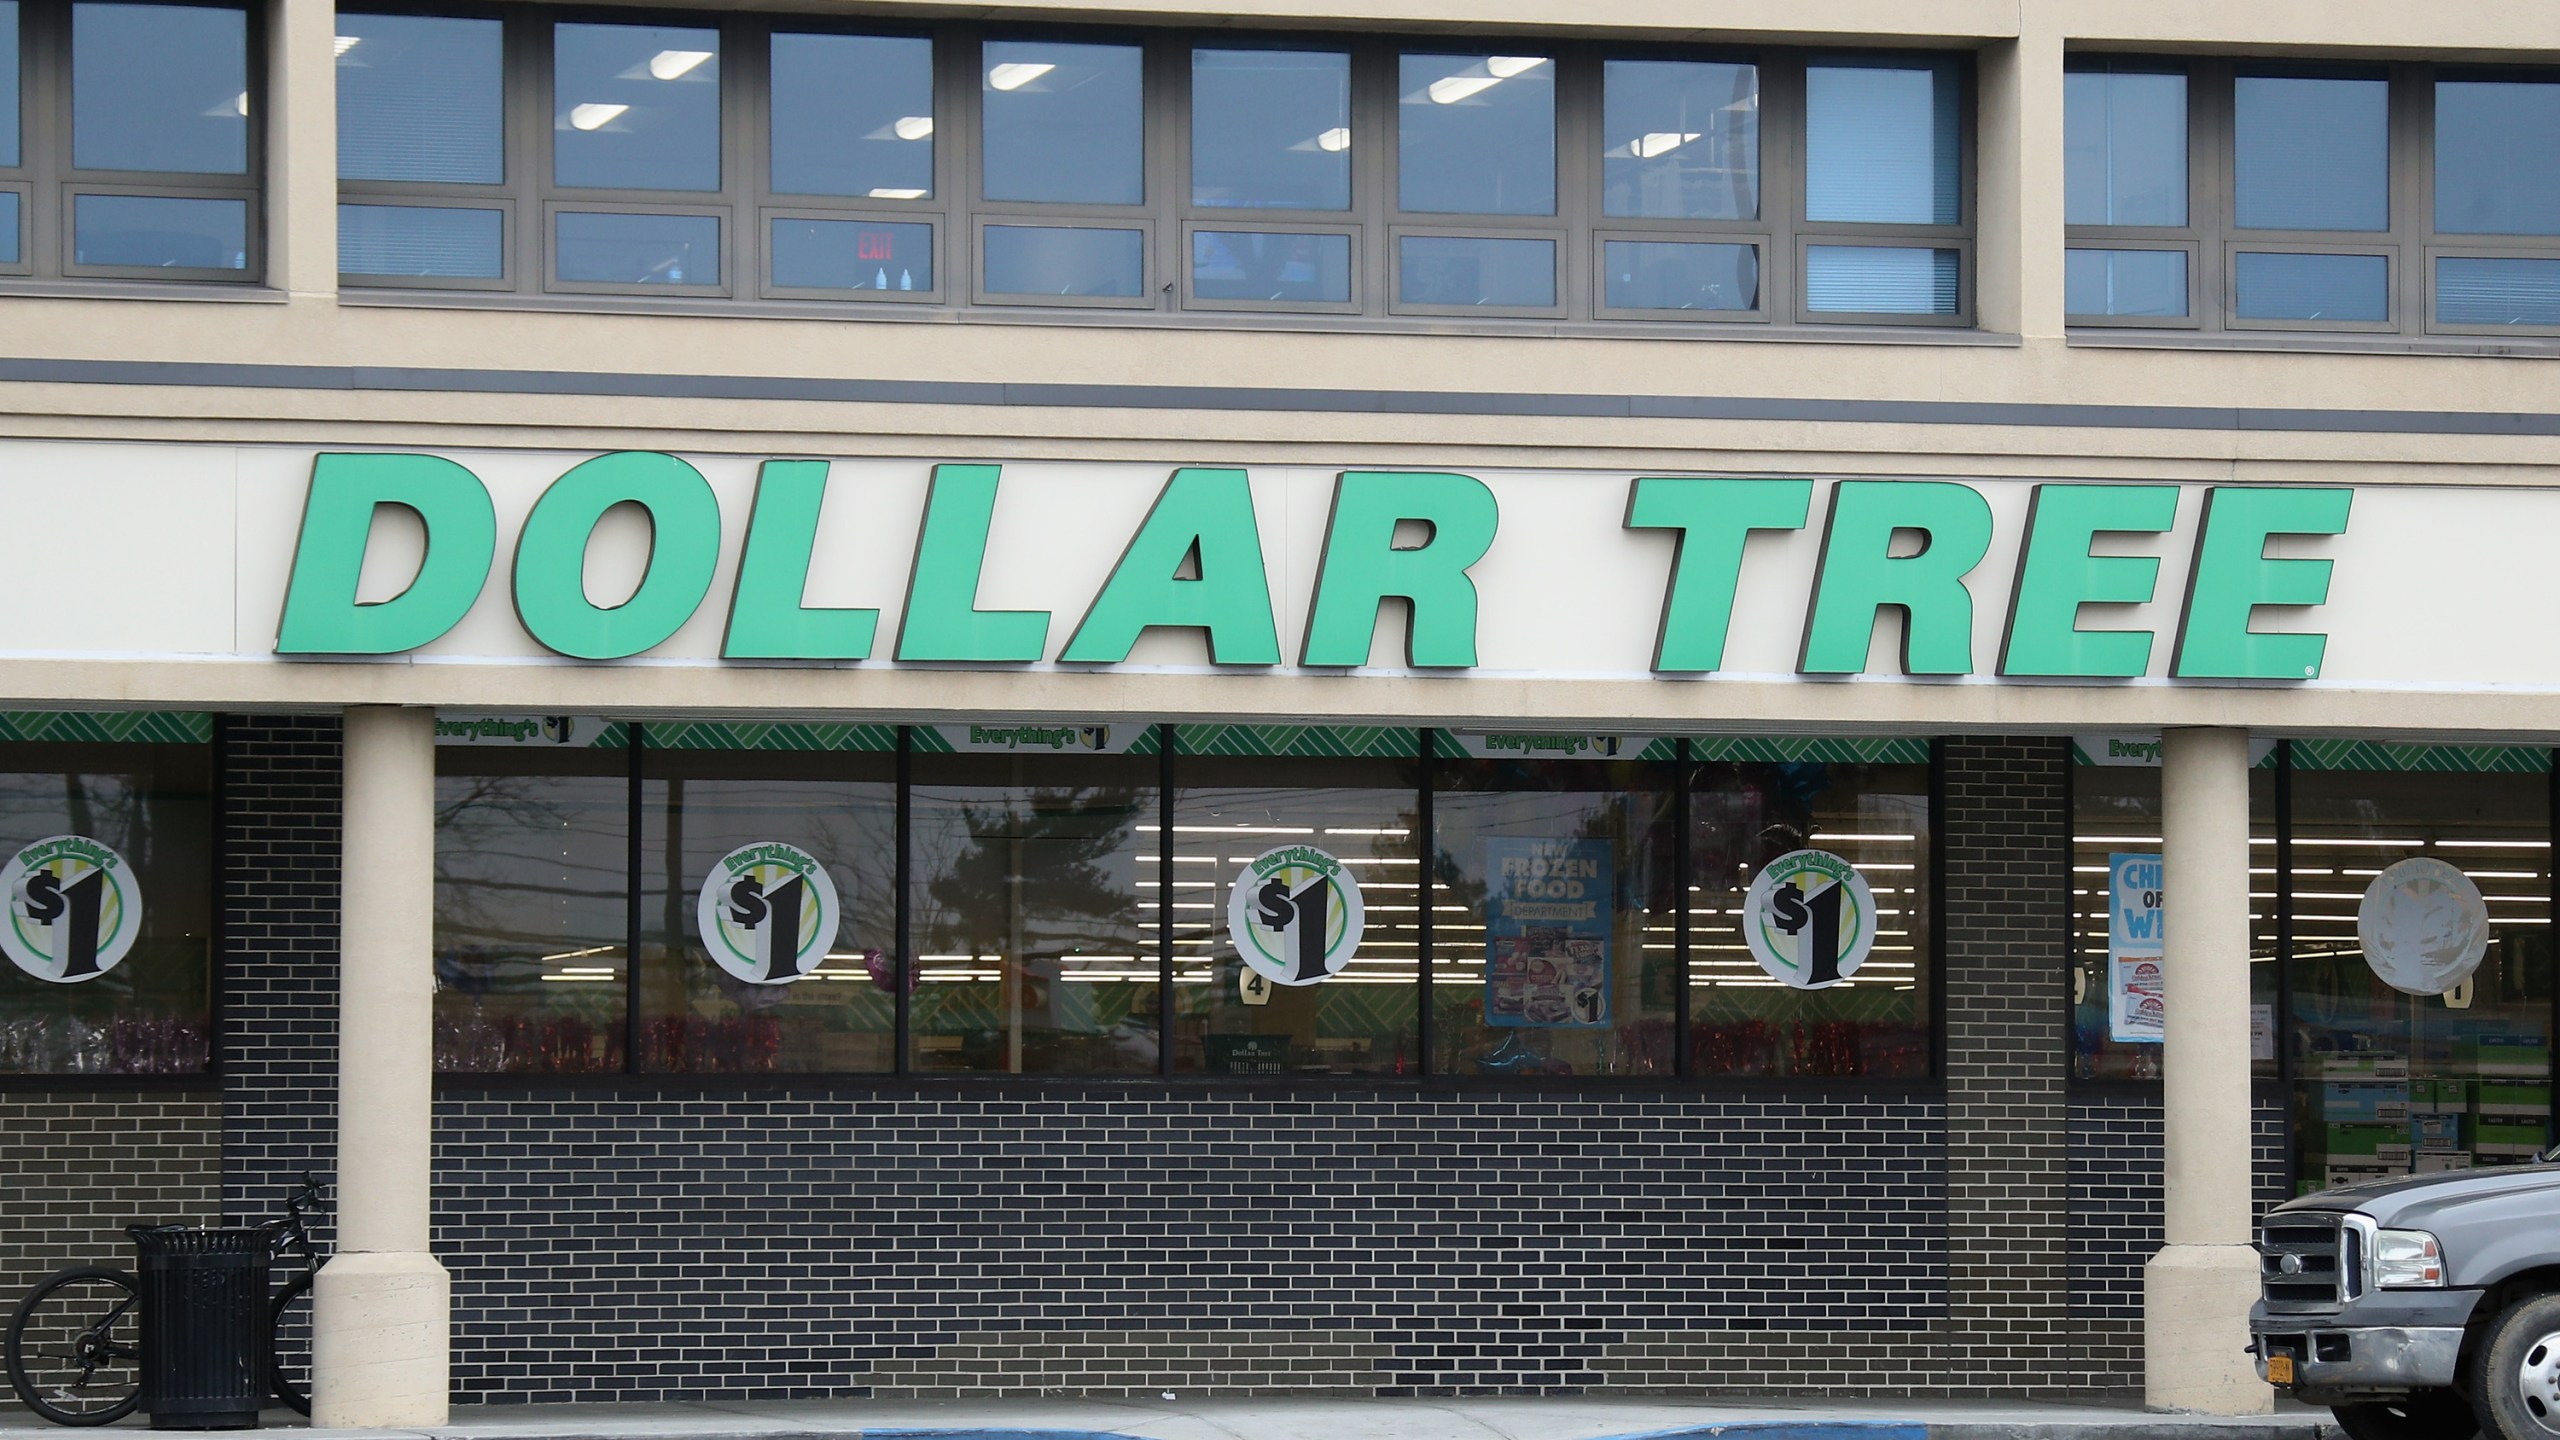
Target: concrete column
382	1341
302	147
2197	1291
2018	179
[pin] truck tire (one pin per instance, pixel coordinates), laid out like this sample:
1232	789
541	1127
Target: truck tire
2515	1372
2427	1415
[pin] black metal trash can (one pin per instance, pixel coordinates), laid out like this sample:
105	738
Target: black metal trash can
204	1325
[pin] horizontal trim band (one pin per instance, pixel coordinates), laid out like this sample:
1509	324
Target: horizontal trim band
628	384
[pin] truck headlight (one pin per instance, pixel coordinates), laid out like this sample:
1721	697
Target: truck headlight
2407	1260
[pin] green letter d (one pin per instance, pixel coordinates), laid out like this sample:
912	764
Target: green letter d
322	615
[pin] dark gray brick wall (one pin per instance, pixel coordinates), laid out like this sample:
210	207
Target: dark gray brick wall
76	1167
2006	896
1115	1238
2115	1225
279	996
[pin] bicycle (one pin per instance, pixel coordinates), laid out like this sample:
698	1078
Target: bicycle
74	1348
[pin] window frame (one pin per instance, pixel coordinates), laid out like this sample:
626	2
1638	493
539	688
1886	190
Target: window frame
1959	237
770	204
1167	219
2410	245
515	129
50	185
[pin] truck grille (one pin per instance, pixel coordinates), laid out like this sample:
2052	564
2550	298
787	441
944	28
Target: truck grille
2307	1262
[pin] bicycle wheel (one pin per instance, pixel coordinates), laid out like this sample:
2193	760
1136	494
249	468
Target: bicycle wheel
75	1347
289	1359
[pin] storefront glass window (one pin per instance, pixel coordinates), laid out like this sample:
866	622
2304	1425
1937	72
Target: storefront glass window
2311	153
2115	810
1553	936
419	98
2386	1081
160	88
1035	944
712	819
147	946
1743	814
531	908
1366	814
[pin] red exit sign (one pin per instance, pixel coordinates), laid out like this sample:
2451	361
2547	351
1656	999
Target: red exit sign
879	245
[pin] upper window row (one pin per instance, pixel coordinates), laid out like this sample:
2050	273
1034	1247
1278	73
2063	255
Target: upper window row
2405	198
138	155
790	161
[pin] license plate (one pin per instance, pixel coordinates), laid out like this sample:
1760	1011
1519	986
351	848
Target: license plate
2279	1369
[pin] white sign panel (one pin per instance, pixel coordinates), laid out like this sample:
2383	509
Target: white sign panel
2137	995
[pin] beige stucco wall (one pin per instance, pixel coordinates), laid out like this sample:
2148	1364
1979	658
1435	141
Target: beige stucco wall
2019	359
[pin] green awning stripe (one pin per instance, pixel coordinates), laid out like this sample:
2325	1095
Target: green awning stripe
110	727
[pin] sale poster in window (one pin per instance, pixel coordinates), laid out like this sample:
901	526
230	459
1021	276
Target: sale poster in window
1547	915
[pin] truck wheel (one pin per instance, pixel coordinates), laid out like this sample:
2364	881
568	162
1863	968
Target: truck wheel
2426	1415
2515	1372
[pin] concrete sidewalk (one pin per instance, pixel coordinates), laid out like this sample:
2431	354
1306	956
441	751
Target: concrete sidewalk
1293	1419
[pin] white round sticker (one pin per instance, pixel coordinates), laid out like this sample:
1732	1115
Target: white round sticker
768	913
2423	926
1809	919
74	908
1296	915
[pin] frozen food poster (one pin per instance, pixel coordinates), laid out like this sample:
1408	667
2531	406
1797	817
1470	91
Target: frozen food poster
1547	913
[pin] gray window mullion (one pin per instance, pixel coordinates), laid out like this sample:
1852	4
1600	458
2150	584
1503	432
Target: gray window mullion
1578	178
1781	183
44	137
2413	219
1165	103
746	59
1372	168
530	62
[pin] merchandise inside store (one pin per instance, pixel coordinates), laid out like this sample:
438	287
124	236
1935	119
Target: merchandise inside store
2380	1080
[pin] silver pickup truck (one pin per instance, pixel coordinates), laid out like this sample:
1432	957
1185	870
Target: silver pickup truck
2425	1308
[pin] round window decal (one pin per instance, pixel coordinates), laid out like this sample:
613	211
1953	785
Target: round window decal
74	909
1809	919
2423	926
1296	915
768	913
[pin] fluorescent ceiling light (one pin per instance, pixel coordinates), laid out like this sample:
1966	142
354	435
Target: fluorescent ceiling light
1335	140
1455	88
595	115
676	64
886	193
345	43
1014	74
1503	67
913	127
236	108
1661	142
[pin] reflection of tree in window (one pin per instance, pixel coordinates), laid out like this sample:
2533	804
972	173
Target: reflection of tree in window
1036	862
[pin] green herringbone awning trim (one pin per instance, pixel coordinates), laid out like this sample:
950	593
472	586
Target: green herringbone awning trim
117	727
2433	759
1797	749
748	735
1381	742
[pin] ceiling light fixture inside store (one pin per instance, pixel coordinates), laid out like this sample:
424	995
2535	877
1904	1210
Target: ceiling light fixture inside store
1661	142
1335	140
885	193
344	43
595	115
913	127
676	64
1014	74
